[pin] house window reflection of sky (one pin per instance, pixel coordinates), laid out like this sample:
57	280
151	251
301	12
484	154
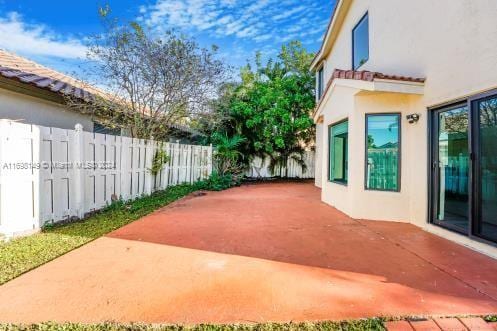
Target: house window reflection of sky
383	129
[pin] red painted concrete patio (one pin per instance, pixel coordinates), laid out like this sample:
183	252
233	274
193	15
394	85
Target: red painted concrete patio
267	252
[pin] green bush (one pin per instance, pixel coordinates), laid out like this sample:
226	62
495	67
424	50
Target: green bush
218	182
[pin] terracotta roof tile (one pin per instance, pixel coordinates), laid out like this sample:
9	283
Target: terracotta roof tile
23	70
368	76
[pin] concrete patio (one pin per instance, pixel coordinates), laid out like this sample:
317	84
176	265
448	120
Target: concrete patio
266	252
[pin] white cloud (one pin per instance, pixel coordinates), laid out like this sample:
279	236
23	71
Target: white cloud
247	32
257	20
289	13
263	37
256	6
18	36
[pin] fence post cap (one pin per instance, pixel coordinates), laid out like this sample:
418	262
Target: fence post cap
78	127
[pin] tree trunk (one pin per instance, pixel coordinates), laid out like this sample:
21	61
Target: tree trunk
286	166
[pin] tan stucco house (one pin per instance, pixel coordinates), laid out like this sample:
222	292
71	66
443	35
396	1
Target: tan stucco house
407	115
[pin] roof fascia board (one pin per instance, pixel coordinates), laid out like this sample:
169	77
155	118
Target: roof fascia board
26	89
398	87
336	22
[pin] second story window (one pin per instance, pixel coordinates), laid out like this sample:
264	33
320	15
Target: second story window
320	83
360	43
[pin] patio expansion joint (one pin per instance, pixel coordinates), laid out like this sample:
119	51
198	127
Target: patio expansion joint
426	260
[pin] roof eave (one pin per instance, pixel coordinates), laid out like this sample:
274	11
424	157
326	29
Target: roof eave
30	90
376	85
398	86
336	21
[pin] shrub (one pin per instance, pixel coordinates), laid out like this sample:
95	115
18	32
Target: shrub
217	182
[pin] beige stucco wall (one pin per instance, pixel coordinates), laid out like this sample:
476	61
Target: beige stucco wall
318	170
338	106
451	43
353	198
31	110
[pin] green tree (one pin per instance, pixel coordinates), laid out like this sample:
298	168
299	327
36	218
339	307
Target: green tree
226	156
271	107
153	82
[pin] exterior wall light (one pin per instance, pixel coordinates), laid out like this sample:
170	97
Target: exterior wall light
413	118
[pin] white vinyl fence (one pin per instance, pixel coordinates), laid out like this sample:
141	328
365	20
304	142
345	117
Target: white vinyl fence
260	168
51	174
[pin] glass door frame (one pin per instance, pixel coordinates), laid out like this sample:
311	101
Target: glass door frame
476	212
433	163
473	167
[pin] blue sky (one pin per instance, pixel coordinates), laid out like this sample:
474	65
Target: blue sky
52	32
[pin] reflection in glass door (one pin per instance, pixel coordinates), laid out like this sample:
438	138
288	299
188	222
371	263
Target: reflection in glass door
464	169
451	167
486	168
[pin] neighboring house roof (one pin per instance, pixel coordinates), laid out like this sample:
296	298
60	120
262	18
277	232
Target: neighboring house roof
387	145
28	72
22	70
186	129
367	76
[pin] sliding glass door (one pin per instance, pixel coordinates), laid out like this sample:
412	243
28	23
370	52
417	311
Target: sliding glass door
464	167
486	168
451	168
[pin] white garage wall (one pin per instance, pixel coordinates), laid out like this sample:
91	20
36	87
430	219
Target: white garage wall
31	110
